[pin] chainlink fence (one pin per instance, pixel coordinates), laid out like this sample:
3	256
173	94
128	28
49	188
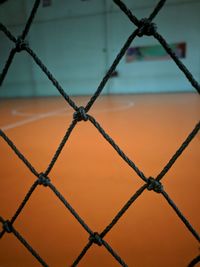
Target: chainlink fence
144	27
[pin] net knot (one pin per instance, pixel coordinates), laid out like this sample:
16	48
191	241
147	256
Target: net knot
146	27
154	185
95	238
21	44
7	226
43	180
80	114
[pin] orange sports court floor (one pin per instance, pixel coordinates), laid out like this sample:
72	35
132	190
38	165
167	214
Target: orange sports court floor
97	182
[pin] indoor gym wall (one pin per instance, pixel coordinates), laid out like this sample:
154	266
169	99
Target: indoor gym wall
79	41
80	114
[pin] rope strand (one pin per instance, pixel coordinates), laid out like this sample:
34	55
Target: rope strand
145	27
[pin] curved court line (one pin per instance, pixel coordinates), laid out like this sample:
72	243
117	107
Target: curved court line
116	109
31	119
59	112
17	111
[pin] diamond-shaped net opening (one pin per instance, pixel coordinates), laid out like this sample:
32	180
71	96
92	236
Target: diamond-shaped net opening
144	27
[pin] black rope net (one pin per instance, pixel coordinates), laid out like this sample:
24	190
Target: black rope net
144	27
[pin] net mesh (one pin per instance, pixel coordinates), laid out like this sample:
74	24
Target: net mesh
144	27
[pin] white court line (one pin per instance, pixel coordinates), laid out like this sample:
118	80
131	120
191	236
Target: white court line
17	111
62	112
31	119
127	105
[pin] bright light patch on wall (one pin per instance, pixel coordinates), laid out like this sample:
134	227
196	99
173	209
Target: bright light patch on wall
46	3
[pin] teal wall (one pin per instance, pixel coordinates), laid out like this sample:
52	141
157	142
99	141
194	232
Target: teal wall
78	41
177	23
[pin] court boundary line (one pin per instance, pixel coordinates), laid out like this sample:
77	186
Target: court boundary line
62	112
